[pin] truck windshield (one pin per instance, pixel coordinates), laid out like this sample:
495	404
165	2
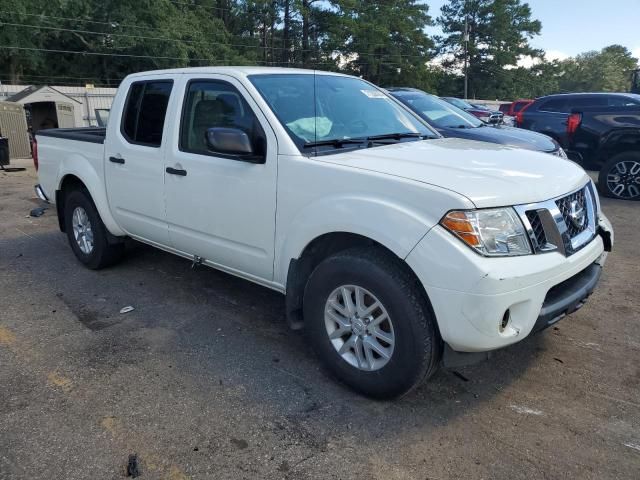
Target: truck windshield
347	112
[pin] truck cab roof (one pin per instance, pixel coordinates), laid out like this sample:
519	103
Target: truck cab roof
235	70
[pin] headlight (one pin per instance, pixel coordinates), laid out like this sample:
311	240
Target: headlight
493	232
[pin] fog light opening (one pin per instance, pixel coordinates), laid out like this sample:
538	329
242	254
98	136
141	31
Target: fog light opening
506	318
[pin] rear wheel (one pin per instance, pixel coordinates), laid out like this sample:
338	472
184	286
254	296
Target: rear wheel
368	321
620	176
87	234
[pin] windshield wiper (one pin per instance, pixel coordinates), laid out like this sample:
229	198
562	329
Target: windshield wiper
395	136
336	142
339	142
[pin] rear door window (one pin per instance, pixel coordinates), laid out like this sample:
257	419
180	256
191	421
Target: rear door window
557	105
580	102
622	102
145	111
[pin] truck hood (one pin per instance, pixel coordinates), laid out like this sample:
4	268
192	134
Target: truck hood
489	175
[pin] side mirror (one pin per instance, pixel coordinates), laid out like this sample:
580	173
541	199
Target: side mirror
230	141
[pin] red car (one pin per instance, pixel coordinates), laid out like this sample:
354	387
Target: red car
513	108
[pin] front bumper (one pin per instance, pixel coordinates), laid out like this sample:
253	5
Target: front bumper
483	304
568	296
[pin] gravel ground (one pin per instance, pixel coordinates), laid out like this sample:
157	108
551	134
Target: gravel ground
204	380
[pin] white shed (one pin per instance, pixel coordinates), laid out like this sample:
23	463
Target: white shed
49	108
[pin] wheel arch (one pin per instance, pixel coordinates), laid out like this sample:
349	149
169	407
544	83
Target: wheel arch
72	180
318	249
617	142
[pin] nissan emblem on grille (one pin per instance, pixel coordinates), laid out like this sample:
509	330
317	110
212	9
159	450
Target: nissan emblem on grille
574	211
577	214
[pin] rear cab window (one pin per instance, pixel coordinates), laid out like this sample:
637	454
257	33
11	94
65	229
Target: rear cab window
145	111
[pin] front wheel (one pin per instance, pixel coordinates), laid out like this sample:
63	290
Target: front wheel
620	176
87	234
368	321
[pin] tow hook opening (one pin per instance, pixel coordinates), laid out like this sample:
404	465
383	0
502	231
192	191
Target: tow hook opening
506	318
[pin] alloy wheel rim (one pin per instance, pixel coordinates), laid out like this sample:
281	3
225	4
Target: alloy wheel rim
623	179
82	231
359	327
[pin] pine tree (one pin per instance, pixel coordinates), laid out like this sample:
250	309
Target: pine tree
499	33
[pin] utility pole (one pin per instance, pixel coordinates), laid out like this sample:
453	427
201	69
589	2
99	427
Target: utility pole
465	39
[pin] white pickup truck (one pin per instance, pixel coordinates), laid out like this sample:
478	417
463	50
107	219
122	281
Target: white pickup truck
397	250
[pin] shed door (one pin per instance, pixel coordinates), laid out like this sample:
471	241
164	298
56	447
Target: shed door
66	118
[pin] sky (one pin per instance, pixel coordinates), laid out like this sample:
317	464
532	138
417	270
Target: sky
570	27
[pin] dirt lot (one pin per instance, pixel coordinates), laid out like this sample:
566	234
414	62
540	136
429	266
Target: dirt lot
204	380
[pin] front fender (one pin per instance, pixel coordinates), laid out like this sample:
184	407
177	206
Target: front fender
84	169
389	223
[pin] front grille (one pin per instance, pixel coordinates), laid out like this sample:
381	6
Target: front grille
573	208
565	224
537	228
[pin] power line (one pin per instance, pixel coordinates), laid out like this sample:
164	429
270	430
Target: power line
115	24
112	24
152	57
64	76
210	7
104	54
93	32
197	42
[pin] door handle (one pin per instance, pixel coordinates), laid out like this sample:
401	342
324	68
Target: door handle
176	171
116	160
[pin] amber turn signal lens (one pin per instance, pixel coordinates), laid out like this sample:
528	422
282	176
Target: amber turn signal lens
460	225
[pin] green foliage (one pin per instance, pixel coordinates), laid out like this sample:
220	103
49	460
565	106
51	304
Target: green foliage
101	41
498	35
384	41
608	70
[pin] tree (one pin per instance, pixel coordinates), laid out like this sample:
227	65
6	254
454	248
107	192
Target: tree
383	41
608	70
499	34
15	63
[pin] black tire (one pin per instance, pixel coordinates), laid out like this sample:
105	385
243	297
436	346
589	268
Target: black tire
103	253
628	182
417	348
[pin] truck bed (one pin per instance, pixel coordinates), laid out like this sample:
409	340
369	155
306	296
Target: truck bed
85	134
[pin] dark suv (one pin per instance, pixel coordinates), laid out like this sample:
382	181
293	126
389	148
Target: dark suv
600	131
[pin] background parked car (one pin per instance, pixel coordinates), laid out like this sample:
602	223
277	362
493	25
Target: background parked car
485	114
512	109
601	131
506	119
451	121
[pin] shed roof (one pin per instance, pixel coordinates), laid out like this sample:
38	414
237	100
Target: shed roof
42	93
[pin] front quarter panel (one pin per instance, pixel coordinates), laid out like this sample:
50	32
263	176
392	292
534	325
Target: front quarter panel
316	197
